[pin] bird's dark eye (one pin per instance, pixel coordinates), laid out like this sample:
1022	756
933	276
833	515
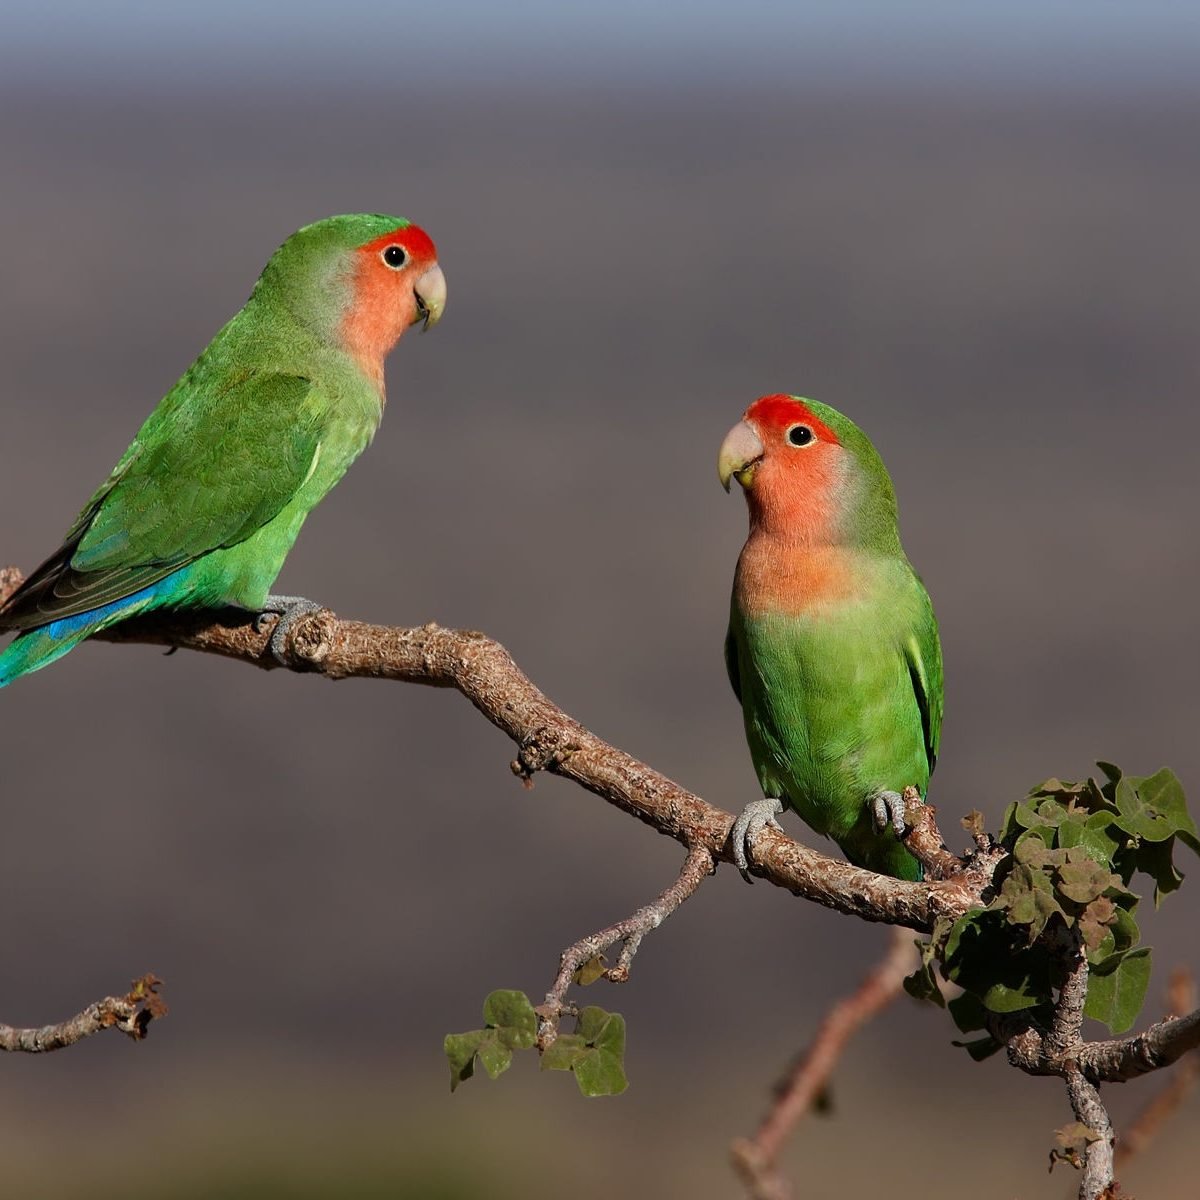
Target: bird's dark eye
800	435
395	257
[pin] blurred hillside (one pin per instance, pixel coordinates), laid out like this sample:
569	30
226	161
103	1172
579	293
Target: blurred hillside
1001	287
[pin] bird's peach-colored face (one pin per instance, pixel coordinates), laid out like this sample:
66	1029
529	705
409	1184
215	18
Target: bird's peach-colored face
396	283
788	462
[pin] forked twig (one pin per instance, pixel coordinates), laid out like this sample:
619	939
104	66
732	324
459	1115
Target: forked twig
696	868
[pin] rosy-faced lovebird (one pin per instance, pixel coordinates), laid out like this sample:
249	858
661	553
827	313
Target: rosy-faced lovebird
832	647
205	504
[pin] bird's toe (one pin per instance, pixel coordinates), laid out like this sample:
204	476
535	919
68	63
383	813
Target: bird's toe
888	808
754	818
287	610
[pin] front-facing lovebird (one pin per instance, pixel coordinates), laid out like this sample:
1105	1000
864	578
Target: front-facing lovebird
832	647
204	506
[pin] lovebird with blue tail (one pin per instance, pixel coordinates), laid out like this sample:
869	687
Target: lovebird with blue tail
204	506
832	647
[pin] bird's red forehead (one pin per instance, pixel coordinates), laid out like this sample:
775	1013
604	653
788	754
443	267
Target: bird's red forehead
778	412
412	237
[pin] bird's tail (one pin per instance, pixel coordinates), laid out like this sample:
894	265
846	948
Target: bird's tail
33	649
38	648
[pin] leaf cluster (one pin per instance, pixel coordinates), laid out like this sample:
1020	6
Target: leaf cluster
594	1052
1073	850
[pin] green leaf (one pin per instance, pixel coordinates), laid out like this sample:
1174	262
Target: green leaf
1091	832
460	1049
600	1075
921	985
1008	823
1156	859
968	1012
1025	815
600	1070
495	1056
1092	797
982	956
1125	929
1117	988
602	1029
512	1015
1094	836
564	1052
1163	793
1139	817
1052	812
511	1025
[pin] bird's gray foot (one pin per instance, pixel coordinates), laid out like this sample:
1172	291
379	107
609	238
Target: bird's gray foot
287	610
756	816
888	809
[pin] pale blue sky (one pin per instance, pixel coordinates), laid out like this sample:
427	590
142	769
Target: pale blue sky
1104	42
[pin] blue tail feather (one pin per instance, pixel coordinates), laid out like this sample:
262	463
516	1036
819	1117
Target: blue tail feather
36	648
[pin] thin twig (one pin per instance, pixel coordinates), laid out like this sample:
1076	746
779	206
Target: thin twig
696	868
755	1158
1181	996
548	739
131	1014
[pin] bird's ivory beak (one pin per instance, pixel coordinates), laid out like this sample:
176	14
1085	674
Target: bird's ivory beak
430	291
741	452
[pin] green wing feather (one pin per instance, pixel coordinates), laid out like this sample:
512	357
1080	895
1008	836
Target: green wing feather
207	476
923	649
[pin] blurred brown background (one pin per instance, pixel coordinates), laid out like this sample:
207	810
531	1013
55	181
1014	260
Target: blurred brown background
981	246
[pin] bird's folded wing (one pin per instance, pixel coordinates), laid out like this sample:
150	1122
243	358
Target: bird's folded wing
223	467
924	653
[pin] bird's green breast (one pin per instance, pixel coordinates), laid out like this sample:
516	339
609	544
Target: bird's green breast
827	695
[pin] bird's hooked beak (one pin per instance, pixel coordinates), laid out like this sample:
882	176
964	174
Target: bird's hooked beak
741	452
430	291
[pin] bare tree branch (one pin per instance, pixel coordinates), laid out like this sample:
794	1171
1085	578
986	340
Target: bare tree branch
548	739
1122	1059
696	868
755	1158
131	1014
